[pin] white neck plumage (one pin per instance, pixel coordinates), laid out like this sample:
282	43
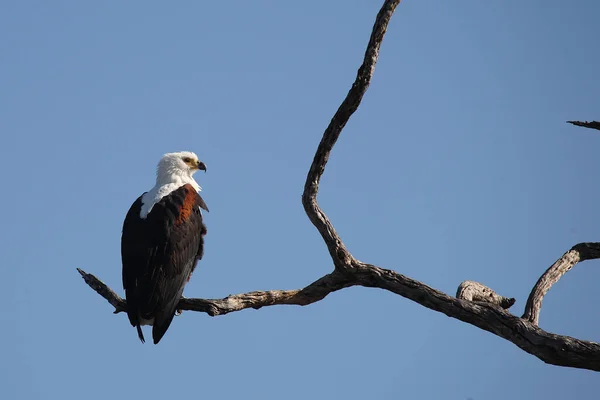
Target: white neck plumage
175	176
167	180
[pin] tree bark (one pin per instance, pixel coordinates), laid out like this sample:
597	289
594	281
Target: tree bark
474	303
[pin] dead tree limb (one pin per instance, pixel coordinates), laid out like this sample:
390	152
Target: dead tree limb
342	259
579	252
474	304
585	124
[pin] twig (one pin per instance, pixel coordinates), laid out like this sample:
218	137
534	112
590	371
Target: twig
585	124
100	287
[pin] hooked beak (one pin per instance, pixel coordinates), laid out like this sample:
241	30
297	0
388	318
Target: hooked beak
201	166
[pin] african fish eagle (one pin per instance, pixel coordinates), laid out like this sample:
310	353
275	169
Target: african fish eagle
162	240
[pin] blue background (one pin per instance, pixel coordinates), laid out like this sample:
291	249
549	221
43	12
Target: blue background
458	165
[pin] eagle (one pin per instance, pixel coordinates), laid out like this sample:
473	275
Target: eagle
161	243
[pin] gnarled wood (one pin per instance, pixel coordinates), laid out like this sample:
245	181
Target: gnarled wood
476	304
585	124
579	252
314	292
341	257
475	291
551	348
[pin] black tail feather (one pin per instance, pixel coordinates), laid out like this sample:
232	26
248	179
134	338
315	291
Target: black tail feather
140	333
162	321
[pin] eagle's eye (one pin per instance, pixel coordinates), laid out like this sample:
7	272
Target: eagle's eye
186	159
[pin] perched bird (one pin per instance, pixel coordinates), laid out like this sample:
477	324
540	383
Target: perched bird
162	241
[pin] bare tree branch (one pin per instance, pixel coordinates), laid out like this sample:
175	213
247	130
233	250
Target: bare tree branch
314	292
100	287
548	347
474	303
579	252
585	124
340	255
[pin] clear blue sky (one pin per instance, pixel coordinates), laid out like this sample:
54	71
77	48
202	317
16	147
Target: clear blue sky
458	165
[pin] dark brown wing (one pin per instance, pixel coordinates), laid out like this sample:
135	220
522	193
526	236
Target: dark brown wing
159	253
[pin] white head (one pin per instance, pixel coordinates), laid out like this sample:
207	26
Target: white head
174	170
178	168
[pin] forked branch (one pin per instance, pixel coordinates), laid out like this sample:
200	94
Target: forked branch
474	303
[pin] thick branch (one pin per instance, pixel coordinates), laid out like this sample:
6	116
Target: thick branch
579	252
551	348
585	124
